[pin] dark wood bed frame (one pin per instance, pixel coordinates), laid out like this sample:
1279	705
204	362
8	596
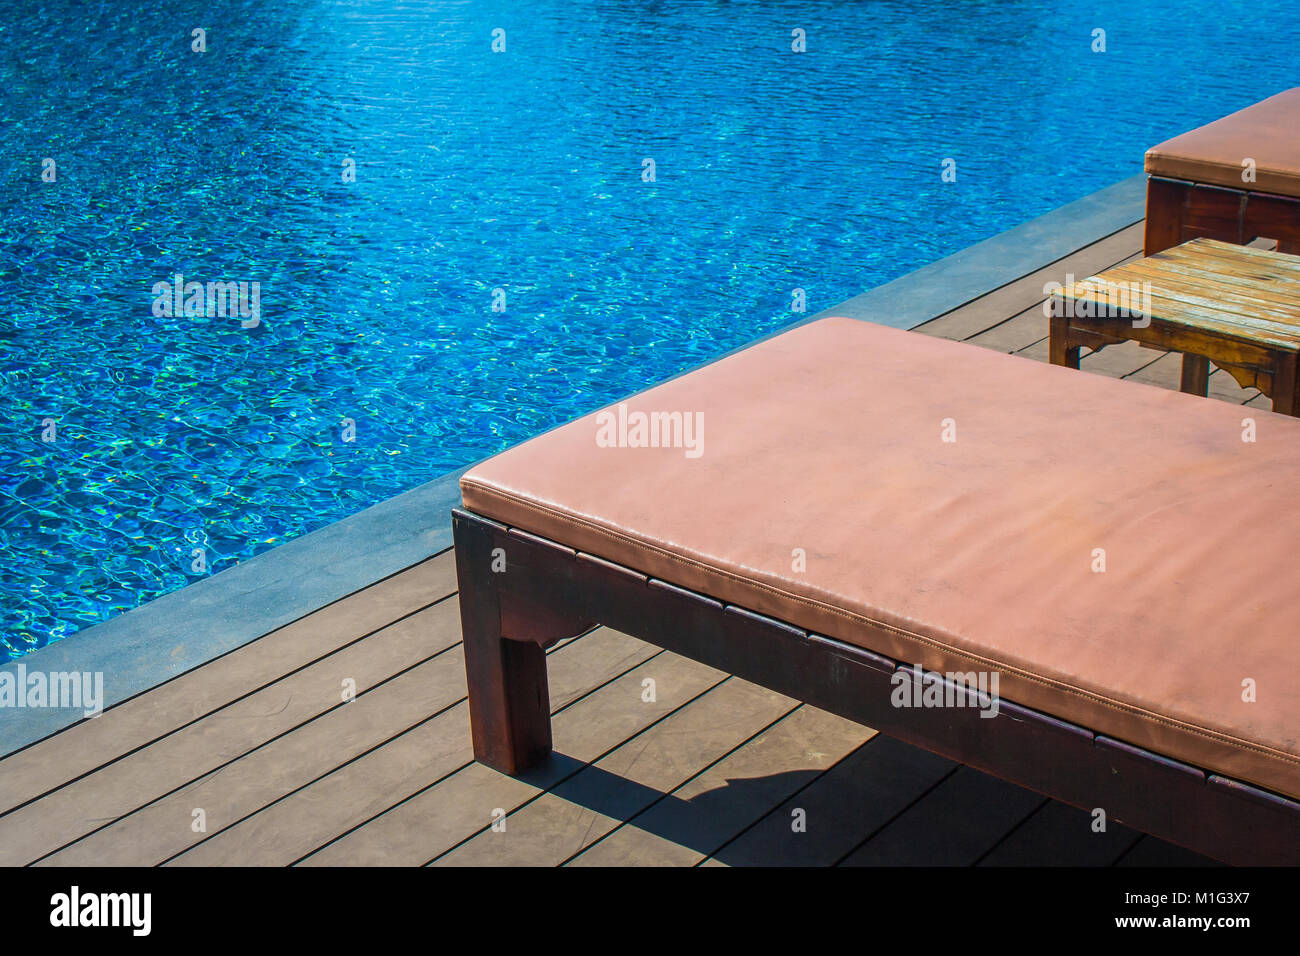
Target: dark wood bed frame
1178	211
548	592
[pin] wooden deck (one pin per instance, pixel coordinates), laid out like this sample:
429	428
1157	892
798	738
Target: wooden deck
256	758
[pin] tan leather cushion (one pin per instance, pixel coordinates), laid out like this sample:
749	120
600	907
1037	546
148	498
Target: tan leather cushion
1265	132
974	554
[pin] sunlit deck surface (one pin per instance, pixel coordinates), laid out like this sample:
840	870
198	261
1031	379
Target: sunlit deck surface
259	748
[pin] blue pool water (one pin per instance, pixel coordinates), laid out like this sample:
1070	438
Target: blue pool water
475	171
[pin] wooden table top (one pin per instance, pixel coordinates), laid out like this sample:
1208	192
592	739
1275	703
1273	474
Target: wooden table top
1236	291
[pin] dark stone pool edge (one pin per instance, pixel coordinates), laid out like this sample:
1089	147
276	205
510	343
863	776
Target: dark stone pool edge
942	286
180	631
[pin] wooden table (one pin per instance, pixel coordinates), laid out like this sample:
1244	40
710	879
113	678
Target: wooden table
1235	306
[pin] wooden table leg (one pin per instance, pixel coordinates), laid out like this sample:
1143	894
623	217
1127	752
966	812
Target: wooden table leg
1285	382
1196	375
1060	350
1166	209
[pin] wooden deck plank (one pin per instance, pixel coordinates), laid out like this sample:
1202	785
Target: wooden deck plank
441	817
1018	332
313	816
229	794
1115	361
606	655
137	722
1148	851
983	313
1037	351
1119	361
842	807
1226	389
71	812
1165	372
698	817
954	824
1061	835
626	781
369	789
461	807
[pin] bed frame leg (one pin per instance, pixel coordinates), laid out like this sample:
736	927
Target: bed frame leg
509	700
1165	215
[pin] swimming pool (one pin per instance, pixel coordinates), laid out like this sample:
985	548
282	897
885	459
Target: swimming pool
514	179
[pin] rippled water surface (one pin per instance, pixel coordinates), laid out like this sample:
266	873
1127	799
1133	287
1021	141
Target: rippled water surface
476	171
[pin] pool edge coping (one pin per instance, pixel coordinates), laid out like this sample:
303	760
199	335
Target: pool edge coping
152	644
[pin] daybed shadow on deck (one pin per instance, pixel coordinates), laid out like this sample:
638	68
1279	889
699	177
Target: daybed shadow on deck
712	772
